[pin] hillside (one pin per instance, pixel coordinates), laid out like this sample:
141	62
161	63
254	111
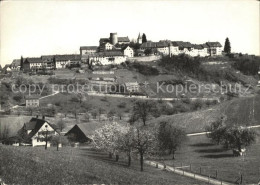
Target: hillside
239	111
76	166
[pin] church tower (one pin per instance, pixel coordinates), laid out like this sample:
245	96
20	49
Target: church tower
139	39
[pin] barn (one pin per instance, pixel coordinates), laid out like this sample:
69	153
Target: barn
82	132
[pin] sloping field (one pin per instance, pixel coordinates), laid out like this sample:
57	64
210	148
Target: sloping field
241	111
76	166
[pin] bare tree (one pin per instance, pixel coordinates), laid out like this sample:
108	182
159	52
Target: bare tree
143	142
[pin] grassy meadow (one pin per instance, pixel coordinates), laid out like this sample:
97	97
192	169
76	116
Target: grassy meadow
201	153
27	165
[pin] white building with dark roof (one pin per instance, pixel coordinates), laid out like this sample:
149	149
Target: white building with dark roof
107	57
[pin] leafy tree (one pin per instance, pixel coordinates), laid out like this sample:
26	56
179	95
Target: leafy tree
170	138
111	114
148	51
234	137
227	47
144	38
18	98
142	110
216	131
58	139
237	137
61	125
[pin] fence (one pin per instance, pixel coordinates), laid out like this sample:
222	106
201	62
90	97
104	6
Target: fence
189	172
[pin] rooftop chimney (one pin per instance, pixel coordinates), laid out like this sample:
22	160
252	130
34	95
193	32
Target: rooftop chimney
37	116
43	117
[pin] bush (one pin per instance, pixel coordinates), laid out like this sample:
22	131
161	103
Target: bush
145	69
121	105
197	105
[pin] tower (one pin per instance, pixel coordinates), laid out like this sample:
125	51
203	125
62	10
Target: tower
139	39
113	38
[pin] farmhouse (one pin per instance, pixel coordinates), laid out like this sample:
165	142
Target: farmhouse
85	51
16	64
81	132
32	101
128	51
34	132
32	63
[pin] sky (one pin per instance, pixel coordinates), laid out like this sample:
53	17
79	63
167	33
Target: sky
35	28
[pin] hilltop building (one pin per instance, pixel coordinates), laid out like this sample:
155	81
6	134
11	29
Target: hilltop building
180	47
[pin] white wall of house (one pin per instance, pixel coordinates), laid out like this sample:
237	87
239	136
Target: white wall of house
32	103
108	46
61	64
38	139
129	52
106	60
163	50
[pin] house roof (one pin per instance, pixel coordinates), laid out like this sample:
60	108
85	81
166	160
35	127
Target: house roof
88	47
205	45
67	57
148	45
213	44
104	40
182	44
87	128
47	57
34	125
123	39
16	63
31	97
197	46
106	54
34	60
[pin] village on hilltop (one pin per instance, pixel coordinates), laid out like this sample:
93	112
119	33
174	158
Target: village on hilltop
116	50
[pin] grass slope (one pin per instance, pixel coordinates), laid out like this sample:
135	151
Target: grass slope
200	152
27	165
238	111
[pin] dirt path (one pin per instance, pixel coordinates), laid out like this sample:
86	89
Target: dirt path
188	174
203	133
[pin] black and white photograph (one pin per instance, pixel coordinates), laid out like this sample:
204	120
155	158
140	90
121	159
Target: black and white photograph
130	92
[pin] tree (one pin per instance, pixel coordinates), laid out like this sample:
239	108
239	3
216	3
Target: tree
170	138
144	38
21	63
227	47
18	97
238	137
142	110
234	137
216	131
4	134
111	114
148	51
126	142
61	125
106	138
143	142
58	139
